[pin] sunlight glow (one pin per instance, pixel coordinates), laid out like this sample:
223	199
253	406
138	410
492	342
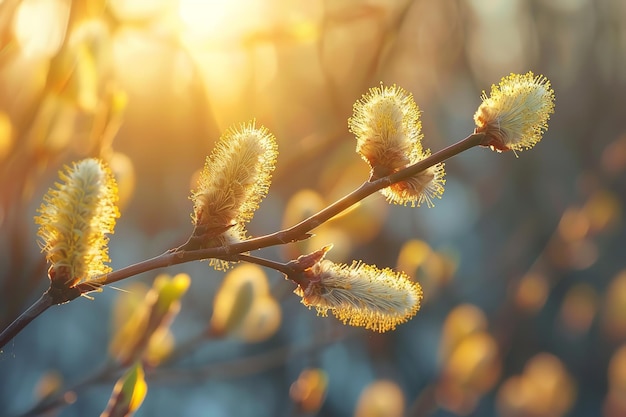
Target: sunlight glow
210	19
39	26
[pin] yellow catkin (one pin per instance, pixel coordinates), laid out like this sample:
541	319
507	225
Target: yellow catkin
74	221
387	126
235	178
361	295
421	188
515	114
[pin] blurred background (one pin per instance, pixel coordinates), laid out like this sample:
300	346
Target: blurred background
522	261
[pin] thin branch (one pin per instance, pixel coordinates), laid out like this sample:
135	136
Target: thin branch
278	266
295	232
42	304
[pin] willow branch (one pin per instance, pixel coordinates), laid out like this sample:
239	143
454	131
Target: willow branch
278	266
297	232
42	304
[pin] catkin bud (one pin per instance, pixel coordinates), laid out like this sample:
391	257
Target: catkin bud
360	294
387	126
421	188
74	220
235	178
515	114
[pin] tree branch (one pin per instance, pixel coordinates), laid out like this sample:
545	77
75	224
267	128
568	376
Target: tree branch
297	231
42	304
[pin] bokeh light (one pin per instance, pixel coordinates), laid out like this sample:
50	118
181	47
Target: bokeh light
532	292
614	308
216	21
308	392
6	135
463	321
470	360
615	402
381	398
544	389
579	308
244	307
39	26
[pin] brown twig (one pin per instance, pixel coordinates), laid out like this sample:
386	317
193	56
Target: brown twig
293	233
38	307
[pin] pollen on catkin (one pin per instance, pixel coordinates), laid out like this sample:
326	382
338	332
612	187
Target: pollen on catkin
361	295
420	188
515	114
235	178
74	220
387	126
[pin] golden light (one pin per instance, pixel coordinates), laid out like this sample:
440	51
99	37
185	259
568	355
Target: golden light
531	292
463	321
244	307
544	389
223	20
614	308
308	392
303	204
470	371
412	255
381	398
49	383
140	60
615	401
617	370
579	308
39	26
474	363
603	210
574	225
138	10
262	322
124	171
6	135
